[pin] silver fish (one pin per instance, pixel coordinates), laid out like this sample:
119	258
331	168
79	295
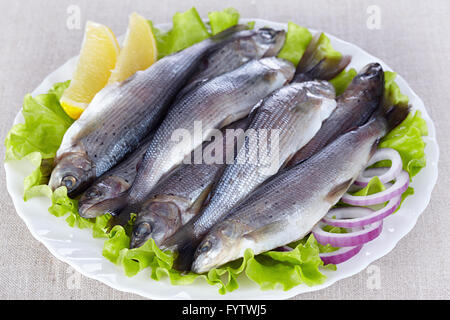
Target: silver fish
212	105
354	107
295	114
113	182
251	44
179	197
287	207
122	114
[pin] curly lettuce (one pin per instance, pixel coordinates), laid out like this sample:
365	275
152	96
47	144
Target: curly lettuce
63	206
269	269
406	138
342	80
221	20
187	29
297	40
39	137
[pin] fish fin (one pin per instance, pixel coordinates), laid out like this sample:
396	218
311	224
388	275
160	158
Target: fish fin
184	242
227	33
274	226
337	191
112	206
198	203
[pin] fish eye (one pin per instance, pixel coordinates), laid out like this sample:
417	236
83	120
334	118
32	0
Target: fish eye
93	193
142	229
69	181
267	34
205	247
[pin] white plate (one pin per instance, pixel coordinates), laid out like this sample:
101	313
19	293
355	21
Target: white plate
84	253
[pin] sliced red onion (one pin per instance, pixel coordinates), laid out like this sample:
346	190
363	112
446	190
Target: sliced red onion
357	237
400	186
340	255
390	174
351	217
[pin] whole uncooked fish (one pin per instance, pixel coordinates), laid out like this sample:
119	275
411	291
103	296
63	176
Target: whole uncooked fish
284	123
251	44
179	197
287	207
354	107
113	182
122	114
210	106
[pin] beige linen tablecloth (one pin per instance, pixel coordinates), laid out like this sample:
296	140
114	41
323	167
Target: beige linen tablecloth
413	37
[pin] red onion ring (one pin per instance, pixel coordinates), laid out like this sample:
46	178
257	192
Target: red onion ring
351	217
355	238
400	186
391	173
340	255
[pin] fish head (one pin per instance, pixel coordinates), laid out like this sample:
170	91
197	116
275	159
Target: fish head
370	80
277	71
220	245
268	42
74	171
371	71
157	220
107	188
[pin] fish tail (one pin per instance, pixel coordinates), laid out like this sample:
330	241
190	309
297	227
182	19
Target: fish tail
395	115
313	66
184	242
387	118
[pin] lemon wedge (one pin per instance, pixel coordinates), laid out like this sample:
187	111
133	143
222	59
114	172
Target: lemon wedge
139	49
98	56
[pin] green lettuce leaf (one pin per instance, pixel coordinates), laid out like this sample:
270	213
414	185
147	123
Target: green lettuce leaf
374	186
268	269
392	94
326	49
63	206
187	29
287	269
407	139
342	80
297	40
39	137
221	20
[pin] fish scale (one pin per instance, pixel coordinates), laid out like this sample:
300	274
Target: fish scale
287	207
122	114
296	111
178	197
277	112
358	102
216	103
113	182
